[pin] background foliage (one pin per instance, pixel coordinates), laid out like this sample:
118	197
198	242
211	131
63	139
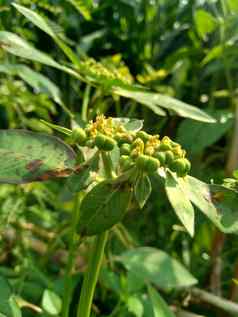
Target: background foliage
182	49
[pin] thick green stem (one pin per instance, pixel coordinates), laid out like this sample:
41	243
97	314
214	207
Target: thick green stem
91	277
95	259
71	259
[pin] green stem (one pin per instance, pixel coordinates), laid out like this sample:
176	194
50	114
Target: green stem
95	259
91	277
71	259
85	103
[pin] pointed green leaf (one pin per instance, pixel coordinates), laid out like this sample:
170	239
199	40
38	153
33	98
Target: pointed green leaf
103	207
46	27
135	306
180	202
156	266
15	45
142	189
34	79
26	156
160	307
205	22
83	7
51	303
154	100
35	18
218	203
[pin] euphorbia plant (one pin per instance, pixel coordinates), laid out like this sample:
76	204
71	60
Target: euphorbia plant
117	161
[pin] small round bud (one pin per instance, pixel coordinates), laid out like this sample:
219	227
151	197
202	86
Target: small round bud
169	157
147	163
104	142
125	149
161	156
79	136
143	136
90	143
179	167
126	162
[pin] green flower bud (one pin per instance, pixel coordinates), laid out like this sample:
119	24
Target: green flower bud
164	147
188	165
79	136
169	157
125	149
104	142
90	143
147	163
126	162
124	137
143	136
179	166
161	156
152	164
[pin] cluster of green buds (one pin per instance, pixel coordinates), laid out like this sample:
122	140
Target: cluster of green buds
90	65
137	149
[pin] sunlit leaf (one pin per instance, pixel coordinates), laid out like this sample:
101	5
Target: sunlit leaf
154	99
205	22
180	202
51	303
218	203
15	45
45	26
83	7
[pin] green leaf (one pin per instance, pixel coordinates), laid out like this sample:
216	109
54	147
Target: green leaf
135	306
103	207
205	22
160	307
16	311
154	99
34	79
204	134
130	124
26	156
35	18
46	27
51	303
83	7
80	181
6	293
15	45
142	189
218	203
214	53
179	200
235	174
156	266
233	5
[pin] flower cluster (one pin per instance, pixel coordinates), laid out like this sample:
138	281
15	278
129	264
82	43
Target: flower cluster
94	68
137	149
